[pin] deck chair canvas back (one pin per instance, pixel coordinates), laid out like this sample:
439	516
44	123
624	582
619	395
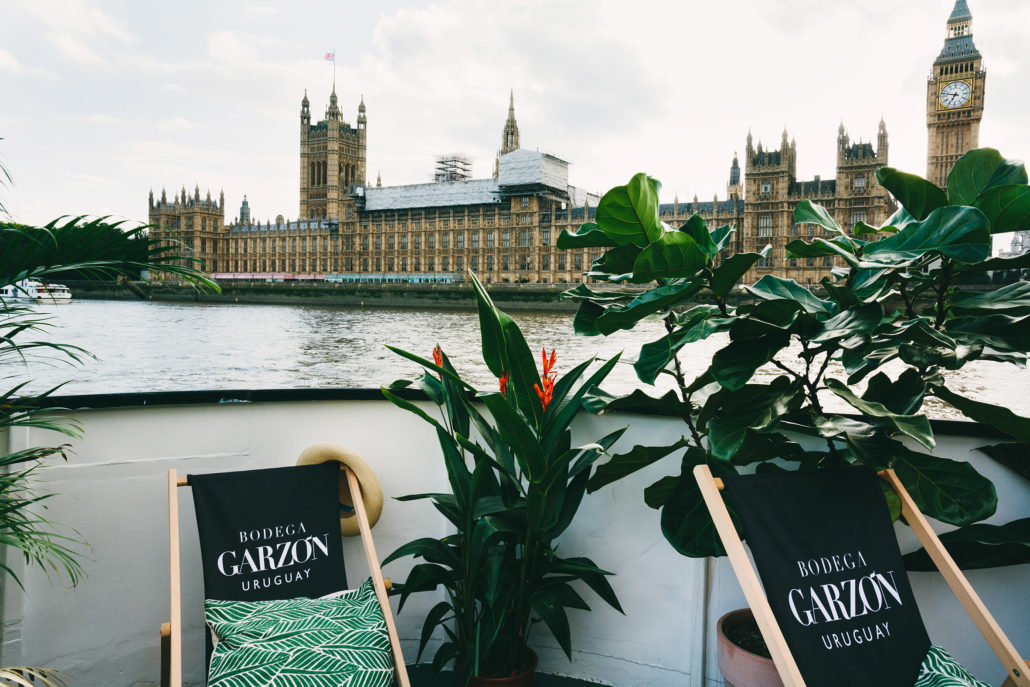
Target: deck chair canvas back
272	534
834	602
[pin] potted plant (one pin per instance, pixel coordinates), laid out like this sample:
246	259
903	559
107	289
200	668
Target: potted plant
516	483
896	296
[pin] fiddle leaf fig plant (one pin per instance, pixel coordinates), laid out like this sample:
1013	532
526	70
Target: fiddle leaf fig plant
516	484
897	298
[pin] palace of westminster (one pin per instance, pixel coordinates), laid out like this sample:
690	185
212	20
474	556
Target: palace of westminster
505	227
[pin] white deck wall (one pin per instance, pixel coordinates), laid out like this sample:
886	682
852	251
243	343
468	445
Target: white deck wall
112	490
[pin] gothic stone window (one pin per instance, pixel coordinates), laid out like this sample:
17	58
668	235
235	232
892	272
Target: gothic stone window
524	238
860	183
445	263
364	243
390	242
404	242
459	240
431	241
489	263
561	261
474	239
524	262
404	264
429	263
379	243
458	263
489	239
577	261
364	265
418	241
765	225
474	262
525	201
545	237
418	264
379	264
445	240
348	264
505	241
766	187
857	216
389	264
504	262
545	262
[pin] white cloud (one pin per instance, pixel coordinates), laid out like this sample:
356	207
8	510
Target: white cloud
176	122
103	119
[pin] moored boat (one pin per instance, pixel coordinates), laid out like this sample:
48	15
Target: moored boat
32	290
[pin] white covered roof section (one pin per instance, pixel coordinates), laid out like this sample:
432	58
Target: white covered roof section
436	194
524	167
518	168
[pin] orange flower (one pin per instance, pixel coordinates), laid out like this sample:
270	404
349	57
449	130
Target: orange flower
438	358
503	380
546	394
548	364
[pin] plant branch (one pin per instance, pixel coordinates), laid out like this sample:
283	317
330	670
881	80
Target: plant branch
681	380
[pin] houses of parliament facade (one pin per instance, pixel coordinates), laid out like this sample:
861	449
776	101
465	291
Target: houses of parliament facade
505	227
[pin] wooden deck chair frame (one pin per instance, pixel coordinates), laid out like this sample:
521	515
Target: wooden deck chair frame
171	632
711	487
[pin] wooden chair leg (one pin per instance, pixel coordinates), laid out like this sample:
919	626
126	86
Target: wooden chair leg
377	576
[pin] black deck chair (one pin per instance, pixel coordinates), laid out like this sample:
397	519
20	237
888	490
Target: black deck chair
834	604
293	514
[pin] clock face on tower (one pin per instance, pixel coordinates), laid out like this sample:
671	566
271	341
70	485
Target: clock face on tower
955	94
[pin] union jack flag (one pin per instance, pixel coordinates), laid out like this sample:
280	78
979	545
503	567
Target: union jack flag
331	56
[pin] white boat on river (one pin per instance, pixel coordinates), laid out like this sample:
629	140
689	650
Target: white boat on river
32	290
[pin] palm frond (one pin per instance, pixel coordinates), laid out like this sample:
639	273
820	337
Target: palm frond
96	248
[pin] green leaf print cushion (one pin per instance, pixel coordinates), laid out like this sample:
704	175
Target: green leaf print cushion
328	642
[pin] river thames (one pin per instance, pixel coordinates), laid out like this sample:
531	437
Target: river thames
146	346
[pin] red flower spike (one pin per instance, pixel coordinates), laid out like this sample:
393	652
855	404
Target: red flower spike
438	359
548	364
503	380
547	393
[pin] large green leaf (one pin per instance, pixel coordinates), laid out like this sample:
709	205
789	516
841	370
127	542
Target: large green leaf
980	170
547	603
697	324
1007	208
1015	457
1013	299
1002	332
919	196
726	275
807	211
615	262
697	229
619	316
675	254
950	491
999	417
770	287
588	235
904	396
629	214
960	233
735	364
686	522
524	375
517	434
585	321
637	458
980	546
820	247
598	401
757	408
582	292
915	426
857	321
494	353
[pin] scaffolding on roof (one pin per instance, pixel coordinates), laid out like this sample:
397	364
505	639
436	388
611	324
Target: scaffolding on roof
453	168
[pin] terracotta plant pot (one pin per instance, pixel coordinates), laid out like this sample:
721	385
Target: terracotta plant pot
523	679
740	667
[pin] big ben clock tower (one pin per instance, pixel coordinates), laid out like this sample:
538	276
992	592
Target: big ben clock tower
954	97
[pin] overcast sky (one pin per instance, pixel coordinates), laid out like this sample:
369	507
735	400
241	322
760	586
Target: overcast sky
100	101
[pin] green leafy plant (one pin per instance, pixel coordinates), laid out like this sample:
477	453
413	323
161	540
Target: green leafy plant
516	484
895	300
